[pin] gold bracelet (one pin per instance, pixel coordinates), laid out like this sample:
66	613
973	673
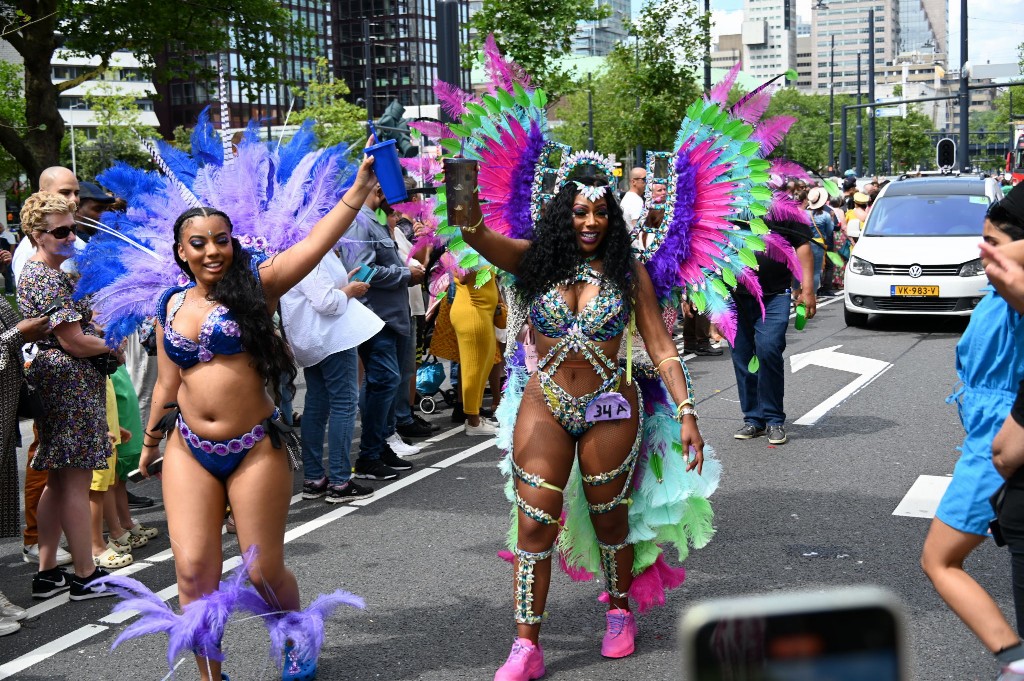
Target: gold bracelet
670	359
472	230
347	204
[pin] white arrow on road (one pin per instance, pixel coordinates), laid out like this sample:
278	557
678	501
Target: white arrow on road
867	369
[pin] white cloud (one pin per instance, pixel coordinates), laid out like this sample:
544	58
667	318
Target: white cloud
726	22
995	28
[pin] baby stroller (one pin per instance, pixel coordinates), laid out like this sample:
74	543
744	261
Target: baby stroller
429	378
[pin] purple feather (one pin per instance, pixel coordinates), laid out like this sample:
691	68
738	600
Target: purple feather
720	92
784	207
517	210
432	129
500	72
771	132
663	267
305	628
207	147
452	99
780	250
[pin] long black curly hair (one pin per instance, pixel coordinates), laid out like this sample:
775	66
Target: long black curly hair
241	292
554	253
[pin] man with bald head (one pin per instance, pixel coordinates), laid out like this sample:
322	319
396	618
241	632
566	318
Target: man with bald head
59	180
633	201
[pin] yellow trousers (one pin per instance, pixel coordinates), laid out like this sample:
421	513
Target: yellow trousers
473	320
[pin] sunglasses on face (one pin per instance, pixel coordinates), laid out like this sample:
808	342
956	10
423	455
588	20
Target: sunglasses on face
59	232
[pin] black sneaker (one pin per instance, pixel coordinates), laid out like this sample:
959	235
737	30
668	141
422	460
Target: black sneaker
374	470
314	489
83	588
350	491
50	583
707	350
777	435
136	502
414	429
458	416
423	422
392	460
748	432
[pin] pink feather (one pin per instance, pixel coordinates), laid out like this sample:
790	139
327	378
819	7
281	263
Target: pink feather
780	250
452	98
720	92
754	107
784	207
506	556
771	132
432	129
749	279
649	587
576	574
787	168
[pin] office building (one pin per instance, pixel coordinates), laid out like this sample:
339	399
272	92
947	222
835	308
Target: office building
769	37
124	76
727	51
924	26
402	49
598	38
847	20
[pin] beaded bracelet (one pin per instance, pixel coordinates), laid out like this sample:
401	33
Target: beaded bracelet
686	409
472	230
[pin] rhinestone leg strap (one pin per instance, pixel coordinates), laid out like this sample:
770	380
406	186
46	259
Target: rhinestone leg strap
610	567
525	564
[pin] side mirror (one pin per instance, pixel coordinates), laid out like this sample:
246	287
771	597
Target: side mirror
853	229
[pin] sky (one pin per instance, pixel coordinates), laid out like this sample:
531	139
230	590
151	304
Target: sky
997	24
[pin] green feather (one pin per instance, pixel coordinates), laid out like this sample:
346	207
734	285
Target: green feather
830	187
699	299
729	277
835	258
460	130
761	193
719	286
757	209
477	109
758	226
657	467
451	145
644	555
506	99
750	148
753	365
748	258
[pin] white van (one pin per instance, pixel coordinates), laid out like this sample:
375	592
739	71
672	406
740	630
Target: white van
918	252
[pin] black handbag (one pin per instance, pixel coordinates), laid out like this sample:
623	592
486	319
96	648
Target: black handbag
106	363
30	405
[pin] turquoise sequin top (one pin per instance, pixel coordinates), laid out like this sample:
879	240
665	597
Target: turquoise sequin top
603	317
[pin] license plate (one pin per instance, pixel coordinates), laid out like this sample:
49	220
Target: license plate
915	291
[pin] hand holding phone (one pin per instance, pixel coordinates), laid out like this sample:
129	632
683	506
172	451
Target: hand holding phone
364	273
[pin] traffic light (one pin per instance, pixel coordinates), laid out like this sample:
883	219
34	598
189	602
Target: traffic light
392	126
945	153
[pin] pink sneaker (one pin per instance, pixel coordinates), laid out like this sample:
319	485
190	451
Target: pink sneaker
621	633
524	663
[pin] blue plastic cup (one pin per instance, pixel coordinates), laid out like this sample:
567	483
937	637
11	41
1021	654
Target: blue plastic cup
388	170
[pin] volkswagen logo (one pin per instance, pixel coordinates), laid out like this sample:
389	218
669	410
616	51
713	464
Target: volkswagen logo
915	271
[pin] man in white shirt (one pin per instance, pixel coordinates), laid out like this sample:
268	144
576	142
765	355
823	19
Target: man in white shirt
324	324
633	202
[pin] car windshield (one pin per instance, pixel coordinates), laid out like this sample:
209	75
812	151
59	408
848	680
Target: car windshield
928	215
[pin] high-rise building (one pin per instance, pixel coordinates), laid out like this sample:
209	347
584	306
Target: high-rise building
401	46
769	37
598	38
727	52
924	26
847	20
181	101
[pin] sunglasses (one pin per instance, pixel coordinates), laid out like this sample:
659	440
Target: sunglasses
59	232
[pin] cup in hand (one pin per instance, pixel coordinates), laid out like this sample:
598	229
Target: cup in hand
388	170
459	185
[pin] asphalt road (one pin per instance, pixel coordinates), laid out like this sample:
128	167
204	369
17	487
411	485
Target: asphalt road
814	513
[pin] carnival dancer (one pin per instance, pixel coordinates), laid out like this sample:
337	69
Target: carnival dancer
218	353
605	461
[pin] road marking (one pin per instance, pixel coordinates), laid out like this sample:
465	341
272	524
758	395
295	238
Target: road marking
923	497
869	369
50	649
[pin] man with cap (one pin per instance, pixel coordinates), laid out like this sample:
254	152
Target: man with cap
93	201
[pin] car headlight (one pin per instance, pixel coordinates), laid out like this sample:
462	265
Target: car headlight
973	268
861	267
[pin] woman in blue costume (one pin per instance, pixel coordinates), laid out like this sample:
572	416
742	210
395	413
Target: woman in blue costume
990	364
217	353
579	284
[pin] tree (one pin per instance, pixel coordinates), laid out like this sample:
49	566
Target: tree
119	126
657	67
807	141
12	108
911	143
337	119
535	34
164	36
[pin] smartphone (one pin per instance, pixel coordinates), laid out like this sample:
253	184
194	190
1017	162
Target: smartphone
852	634
365	273
152	469
51	310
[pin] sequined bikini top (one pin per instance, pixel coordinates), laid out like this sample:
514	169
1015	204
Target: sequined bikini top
603	317
219	333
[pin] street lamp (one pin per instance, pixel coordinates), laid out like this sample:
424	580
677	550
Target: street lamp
71	124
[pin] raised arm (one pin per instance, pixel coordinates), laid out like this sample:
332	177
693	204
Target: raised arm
500	250
289	267
670	365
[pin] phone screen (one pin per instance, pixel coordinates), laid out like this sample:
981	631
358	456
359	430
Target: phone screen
839	645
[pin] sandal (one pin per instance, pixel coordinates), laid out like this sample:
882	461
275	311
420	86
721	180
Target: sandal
146	531
113	560
120	544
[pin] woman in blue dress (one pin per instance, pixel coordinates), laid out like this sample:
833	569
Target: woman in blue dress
990	364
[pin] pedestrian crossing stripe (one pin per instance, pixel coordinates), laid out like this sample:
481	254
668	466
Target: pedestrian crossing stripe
923	497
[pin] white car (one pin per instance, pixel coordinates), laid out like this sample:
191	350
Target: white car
918	252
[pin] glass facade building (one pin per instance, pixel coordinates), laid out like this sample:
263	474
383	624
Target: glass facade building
598	38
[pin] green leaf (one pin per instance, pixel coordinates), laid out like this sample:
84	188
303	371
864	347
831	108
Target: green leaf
753	365
748	258
836	259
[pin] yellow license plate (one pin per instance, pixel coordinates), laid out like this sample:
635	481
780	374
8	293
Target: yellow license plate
915	291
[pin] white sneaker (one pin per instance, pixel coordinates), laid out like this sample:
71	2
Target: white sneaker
486	428
10	611
30	554
8	627
399	447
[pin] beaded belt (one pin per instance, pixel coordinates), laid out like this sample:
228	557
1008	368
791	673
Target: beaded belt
225	447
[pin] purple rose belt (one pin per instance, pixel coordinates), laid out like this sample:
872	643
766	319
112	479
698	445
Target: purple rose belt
236	445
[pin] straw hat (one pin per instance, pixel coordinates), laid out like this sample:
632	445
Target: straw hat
861	197
816	198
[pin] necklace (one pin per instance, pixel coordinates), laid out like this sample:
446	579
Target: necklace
200	302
